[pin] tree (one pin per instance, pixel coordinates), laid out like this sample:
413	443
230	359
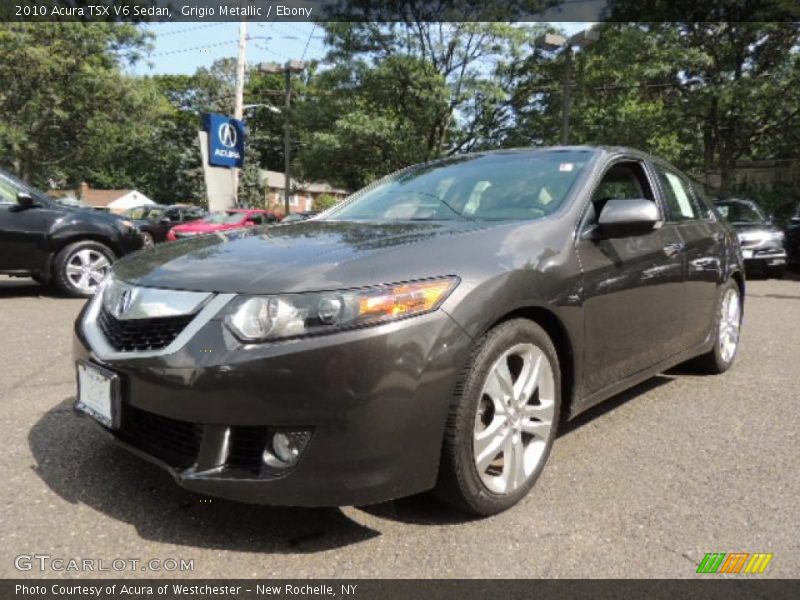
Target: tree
65	103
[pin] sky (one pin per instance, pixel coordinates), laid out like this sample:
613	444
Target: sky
181	48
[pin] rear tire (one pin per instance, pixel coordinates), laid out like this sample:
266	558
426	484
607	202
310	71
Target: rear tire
147	240
503	420
79	267
726	332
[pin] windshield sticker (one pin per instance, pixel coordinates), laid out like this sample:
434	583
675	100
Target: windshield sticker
565	167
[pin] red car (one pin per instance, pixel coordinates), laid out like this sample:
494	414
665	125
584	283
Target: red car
234	218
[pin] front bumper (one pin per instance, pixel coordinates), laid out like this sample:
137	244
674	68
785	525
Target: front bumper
375	399
764	256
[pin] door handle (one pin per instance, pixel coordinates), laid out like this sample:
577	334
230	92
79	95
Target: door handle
673	249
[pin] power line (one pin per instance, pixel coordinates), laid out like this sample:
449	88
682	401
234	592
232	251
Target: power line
195	28
308	41
194	48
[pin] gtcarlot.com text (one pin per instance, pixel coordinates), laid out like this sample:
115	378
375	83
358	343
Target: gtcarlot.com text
44	563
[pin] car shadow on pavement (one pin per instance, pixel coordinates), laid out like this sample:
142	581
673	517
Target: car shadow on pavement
597	411
82	465
14	287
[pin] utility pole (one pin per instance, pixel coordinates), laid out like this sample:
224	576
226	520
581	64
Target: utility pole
566	103
287	143
291	66
238	111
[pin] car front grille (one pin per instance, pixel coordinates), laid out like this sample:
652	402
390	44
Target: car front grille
174	442
136	335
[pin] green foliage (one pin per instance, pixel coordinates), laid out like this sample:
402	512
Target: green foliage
325	201
703	95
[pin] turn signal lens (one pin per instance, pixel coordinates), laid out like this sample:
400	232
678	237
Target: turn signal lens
405	299
261	318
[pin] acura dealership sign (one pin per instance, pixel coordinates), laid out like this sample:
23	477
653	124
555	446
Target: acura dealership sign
225	140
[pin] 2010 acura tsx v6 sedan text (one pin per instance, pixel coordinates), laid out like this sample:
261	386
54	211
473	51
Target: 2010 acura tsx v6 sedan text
427	333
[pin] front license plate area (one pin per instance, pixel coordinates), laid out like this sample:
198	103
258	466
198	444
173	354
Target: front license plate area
747	254
98	394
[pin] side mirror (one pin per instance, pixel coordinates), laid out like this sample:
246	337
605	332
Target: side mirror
626	218
25	200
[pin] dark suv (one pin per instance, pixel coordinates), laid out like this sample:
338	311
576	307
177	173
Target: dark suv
53	243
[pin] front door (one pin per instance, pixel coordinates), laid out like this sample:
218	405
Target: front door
633	293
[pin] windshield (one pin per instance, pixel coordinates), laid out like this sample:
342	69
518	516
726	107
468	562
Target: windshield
10	186
224	218
498	186
740	212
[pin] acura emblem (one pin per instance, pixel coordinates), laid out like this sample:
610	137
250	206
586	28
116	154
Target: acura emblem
227	135
124	303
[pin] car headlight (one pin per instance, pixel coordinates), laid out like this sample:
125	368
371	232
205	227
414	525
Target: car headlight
262	318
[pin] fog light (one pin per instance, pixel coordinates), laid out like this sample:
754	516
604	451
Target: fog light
285	448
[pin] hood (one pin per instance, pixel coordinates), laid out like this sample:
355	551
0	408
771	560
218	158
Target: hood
302	256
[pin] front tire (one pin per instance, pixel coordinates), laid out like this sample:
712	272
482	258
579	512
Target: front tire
147	240
80	267
726	332
503	420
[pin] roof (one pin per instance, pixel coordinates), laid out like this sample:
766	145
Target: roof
276	179
102	197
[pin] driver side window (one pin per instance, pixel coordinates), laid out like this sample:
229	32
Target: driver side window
622	181
8	193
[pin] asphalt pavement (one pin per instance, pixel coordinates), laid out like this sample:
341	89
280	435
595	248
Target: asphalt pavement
641	486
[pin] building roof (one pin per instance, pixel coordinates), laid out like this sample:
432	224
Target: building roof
101	197
276	179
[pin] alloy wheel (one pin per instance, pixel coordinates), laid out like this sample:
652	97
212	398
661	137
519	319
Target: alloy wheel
514	420
730	319
86	269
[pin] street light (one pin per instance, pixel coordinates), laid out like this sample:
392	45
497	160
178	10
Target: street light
291	66
269	107
552	42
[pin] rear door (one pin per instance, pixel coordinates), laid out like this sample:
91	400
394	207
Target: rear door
633	295
701	252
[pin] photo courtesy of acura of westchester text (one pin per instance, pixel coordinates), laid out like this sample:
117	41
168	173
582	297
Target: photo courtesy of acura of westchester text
329	295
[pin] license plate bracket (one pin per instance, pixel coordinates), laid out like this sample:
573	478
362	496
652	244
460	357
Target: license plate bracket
98	393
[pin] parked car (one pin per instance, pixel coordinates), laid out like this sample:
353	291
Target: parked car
155	221
791	231
429	333
763	244
70	247
299	216
235	218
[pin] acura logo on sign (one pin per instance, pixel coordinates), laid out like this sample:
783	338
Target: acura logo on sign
227	135
124	303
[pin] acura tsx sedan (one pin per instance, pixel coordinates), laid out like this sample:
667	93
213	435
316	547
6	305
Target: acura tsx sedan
429	332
